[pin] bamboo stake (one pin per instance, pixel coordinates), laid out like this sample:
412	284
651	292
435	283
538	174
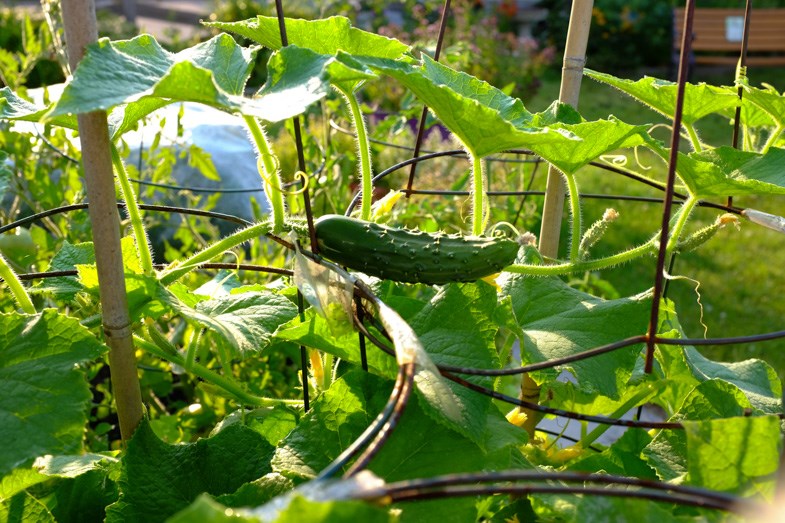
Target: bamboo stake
81	30
553	208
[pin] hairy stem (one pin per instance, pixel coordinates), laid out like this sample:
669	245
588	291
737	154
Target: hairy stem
680	221
696	143
591	265
173	274
773	137
575	212
270	175
227	384
16	287
363	151
137	224
478	195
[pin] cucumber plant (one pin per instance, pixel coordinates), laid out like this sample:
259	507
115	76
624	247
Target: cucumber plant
263	444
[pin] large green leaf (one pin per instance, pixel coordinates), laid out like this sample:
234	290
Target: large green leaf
66	259
736	455
560	321
159	479
419	447
13	107
488	121
45	396
113	73
325	36
767	100
726	171
660	95
458	327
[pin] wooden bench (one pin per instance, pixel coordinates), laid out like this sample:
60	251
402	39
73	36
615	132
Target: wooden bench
717	36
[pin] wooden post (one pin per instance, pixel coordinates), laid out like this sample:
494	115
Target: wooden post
553	208
81	30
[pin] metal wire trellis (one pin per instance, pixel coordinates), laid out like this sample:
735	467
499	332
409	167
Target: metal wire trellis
358	455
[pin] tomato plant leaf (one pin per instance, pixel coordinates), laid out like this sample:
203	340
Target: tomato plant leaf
660	95
43	408
159	479
726	171
559	321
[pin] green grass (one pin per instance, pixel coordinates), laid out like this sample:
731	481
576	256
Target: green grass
741	273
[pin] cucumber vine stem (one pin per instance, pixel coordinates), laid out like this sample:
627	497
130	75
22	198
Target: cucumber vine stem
773	137
173	274
680	222
227	384
479	217
16	287
363	151
135	215
696	143
575	213
271	175
636	399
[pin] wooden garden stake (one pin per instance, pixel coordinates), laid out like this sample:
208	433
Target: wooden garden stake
81	30
553	208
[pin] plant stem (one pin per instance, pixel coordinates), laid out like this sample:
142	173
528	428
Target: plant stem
363	151
681	221
271	175
478	195
575	211
16	287
142	242
591	265
773	137
696	143
227	384
169	276
625	407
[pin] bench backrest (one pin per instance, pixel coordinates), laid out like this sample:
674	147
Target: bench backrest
717	29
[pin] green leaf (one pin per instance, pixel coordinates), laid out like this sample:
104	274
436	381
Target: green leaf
25	507
726	171
43	407
737	455
488	121
298	77
660	95
767	100
72	466
258	491
667	453
301	509
560	321
18	480
66	259
622	458
458	328
325	36
250	318
315	332
12	107
203	162
122	72
419	447
159	479
206	510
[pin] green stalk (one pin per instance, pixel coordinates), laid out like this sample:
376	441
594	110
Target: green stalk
227	384
681	221
363	151
16	287
625	407
478	195
773	137
575	211
591	265
140	236
169	276
696	143
271	175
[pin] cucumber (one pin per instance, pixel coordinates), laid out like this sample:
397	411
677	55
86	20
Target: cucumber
411	256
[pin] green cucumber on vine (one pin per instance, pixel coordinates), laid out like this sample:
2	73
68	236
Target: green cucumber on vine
411	256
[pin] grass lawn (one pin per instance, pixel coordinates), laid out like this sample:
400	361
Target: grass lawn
741	273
